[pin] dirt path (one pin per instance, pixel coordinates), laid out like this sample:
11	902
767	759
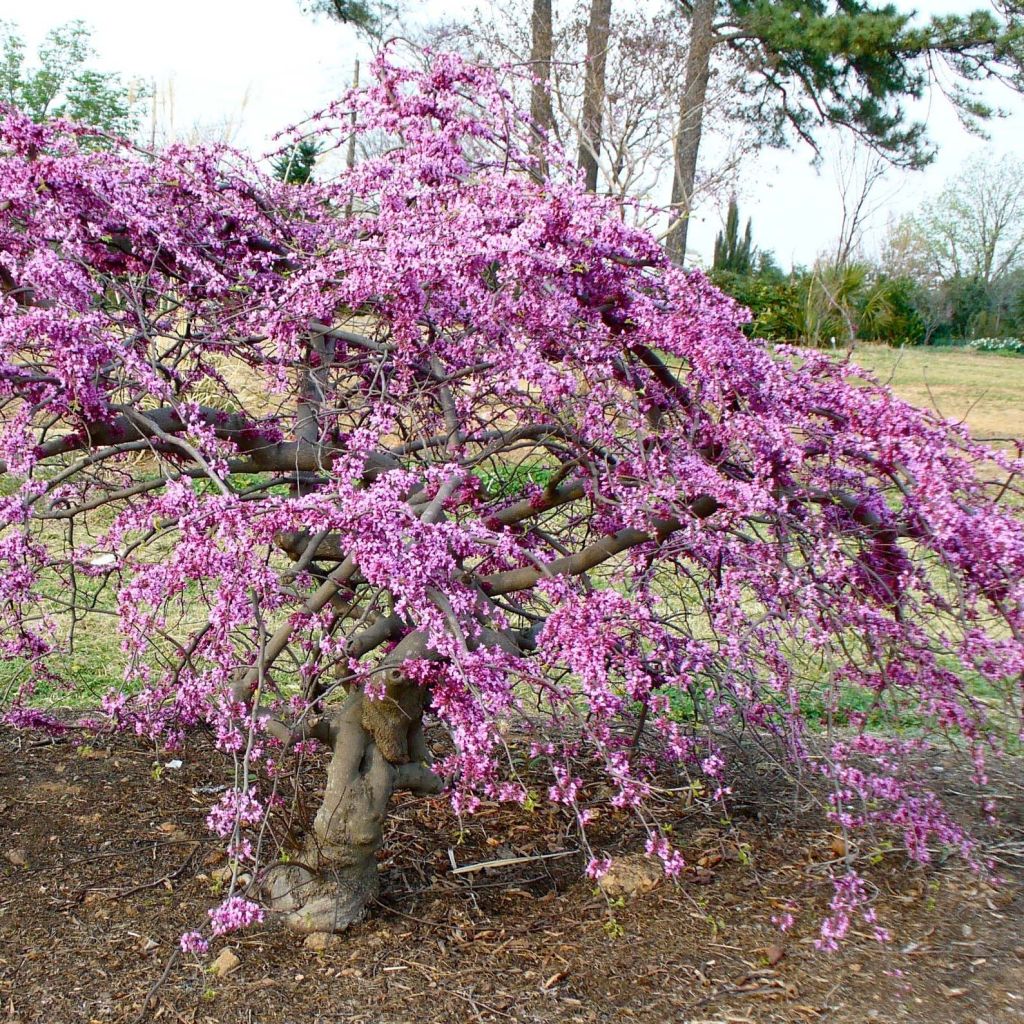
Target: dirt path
102	868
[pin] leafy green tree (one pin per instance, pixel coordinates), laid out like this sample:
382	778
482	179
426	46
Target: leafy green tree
61	84
809	64
295	165
964	251
831	303
968	304
1014	302
774	299
732	252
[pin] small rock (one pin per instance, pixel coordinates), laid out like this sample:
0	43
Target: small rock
631	876
320	941
18	857
225	963
223	875
775	953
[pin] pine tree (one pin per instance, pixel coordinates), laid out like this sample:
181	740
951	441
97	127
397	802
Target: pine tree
367	16
295	165
812	64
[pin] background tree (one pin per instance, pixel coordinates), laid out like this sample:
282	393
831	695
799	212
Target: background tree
62	84
370	16
598	42
542	41
974	228
859	172
963	250
808	64
642	52
476	452
686	143
296	164
732	253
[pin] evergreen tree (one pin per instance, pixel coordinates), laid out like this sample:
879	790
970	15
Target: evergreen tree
366	15
295	165
809	64
733	253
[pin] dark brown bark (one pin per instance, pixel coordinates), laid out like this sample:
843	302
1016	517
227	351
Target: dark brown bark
594	554
598	30
541	54
691	123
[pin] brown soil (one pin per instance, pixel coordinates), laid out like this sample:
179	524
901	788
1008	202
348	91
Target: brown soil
102	867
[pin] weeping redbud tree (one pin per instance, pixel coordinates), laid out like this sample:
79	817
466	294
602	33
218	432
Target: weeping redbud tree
445	437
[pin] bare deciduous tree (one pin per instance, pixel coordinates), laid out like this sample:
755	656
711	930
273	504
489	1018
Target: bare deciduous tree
632	105
541	43
975	226
859	171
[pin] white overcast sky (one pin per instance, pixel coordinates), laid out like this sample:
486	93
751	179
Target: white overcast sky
259	65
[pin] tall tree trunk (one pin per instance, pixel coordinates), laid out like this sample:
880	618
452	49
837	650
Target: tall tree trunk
541	54
691	123
350	149
598	31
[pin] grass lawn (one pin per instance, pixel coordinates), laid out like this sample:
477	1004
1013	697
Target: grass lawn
984	389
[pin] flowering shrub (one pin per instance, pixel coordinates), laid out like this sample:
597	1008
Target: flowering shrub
1014	345
282	432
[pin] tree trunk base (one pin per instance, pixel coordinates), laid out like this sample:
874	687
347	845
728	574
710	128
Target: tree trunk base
377	748
328	902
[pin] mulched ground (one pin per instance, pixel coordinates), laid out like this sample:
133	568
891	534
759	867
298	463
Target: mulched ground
102	866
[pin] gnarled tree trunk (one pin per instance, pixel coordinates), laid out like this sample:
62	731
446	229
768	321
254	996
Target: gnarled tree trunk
377	748
377	745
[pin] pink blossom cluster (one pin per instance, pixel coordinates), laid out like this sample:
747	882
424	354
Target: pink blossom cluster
233	915
193	942
236	808
849	900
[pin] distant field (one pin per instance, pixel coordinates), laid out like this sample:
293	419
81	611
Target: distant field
985	390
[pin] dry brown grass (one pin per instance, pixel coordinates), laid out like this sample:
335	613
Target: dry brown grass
984	389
